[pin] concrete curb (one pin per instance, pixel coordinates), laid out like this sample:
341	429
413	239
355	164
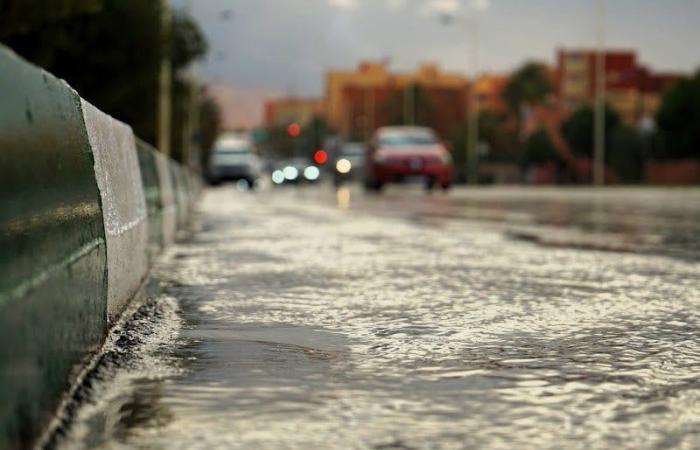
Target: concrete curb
84	216
123	206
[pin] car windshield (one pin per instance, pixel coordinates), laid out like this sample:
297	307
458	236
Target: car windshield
234	148
406	138
354	149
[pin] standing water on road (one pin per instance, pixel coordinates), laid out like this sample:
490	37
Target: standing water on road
400	322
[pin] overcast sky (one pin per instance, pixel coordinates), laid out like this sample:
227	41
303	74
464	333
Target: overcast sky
286	45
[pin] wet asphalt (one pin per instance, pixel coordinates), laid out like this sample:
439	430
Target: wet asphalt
500	318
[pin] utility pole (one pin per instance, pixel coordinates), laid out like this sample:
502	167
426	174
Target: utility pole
190	151
599	126
369	110
473	112
164	83
409	104
471	147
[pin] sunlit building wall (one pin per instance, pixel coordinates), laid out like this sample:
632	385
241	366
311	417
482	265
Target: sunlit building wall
361	100
489	92
631	89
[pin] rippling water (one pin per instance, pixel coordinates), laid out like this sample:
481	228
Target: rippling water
397	323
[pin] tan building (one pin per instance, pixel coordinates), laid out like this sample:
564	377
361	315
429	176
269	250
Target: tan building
489	92
364	97
281	112
630	88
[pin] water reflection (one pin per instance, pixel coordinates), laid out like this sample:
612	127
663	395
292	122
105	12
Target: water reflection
343	197
321	329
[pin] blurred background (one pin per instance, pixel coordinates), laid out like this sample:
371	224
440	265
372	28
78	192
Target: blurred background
537	93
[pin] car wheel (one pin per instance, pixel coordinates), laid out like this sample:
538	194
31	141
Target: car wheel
372	185
446	186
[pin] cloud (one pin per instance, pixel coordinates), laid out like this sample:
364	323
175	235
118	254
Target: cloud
443	6
452	7
344	4
481	5
396	5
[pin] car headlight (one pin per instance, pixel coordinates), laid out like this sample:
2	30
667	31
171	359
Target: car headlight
312	173
343	166
291	173
278	177
445	158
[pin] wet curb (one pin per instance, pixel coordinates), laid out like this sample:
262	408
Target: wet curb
86	210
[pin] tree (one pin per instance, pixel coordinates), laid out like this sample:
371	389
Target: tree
624	146
538	149
209	127
528	85
678	120
626	154
494	133
494	136
578	129
35	28
108	50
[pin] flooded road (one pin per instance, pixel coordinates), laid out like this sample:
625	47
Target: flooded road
500	319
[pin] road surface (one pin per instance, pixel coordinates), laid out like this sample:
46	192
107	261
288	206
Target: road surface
497	318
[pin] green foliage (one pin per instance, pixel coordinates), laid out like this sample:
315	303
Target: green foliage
578	129
626	154
187	43
624	146
538	149
108	50
678	120
493	134
501	142
23	17
529	84
209	127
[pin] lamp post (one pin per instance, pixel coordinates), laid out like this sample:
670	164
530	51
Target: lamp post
409	104
472	141
473	113
370	104
164	83
599	126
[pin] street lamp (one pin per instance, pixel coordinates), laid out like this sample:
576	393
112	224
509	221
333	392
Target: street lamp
599	126
164	106
472	141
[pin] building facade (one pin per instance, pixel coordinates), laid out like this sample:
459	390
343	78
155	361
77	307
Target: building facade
359	101
489	92
631	89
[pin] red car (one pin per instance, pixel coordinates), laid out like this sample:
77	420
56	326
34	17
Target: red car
397	154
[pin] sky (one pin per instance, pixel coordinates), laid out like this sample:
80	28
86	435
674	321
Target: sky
260	48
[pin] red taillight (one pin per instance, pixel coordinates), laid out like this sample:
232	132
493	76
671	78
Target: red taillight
320	157
294	130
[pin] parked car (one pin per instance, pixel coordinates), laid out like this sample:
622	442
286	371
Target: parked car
234	159
348	162
397	154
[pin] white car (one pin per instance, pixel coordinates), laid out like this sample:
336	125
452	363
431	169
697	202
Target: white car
234	159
